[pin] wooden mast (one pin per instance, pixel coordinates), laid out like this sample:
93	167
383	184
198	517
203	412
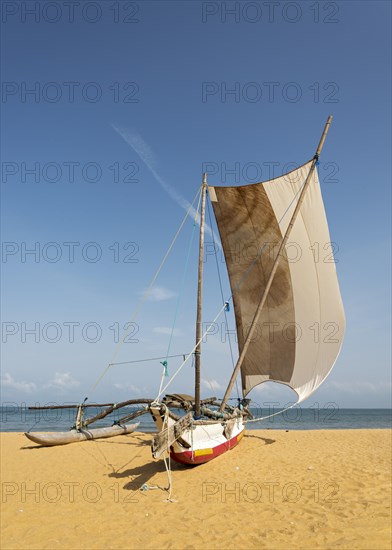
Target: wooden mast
199	298
275	267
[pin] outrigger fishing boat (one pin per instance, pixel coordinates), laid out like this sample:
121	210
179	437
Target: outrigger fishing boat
281	303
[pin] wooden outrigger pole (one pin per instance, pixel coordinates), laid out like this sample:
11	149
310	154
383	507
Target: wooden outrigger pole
275	266
199	298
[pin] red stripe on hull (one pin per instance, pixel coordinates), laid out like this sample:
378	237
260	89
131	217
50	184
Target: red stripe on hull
187	457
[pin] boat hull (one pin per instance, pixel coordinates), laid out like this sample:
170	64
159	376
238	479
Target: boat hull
200	456
72	436
203	441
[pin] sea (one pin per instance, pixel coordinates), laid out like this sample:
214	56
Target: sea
18	418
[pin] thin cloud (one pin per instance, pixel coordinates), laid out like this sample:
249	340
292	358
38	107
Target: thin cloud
159	293
211	384
128	388
144	151
63	381
7	381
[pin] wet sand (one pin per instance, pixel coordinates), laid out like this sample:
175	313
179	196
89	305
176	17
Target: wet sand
277	490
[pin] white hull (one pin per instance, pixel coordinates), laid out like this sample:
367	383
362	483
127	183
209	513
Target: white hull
203	442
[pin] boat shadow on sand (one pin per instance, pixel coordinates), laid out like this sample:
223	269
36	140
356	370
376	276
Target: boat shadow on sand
132	439
142	474
265	439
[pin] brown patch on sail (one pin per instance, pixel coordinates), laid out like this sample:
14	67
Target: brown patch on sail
250	236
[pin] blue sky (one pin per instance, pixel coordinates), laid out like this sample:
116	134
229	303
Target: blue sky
188	84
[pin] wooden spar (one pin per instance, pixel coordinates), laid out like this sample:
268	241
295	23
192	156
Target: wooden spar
205	412
116	405
52	407
199	298
113	406
275	266
187	405
131	416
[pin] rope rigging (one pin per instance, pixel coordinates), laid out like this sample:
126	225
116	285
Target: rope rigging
165	371
227	302
145	294
148	359
224	309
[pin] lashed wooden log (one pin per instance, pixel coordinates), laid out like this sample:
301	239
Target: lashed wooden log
116	405
131	416
218	415
187	402
52	407
168	436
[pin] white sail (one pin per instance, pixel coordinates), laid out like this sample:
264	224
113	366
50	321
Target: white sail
300	330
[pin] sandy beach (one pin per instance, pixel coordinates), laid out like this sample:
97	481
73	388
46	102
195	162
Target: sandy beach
277	489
